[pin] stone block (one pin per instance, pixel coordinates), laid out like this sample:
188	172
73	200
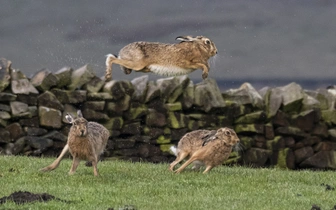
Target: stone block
254	117
286	159
256	157
208	95
94	85
49	117
303	153
140	85
70	97
81	76
292	95
156	119
48	99
320	160
44	80
5	76
249	128
64	77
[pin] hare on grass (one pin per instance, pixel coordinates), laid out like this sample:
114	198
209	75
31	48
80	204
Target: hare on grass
203	147
86	141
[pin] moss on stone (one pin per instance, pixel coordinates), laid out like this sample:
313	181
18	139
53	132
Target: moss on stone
234	154
146	130
329	116
229	102
293	107
134	113
3	122
223	121
282	158
242	110
163	140
174	106
176	120
201	123
99	96
114	123
192	125
232	160
81	76
247	142
173	120
166	148
253	128
251	118
166	131
274	144
196	116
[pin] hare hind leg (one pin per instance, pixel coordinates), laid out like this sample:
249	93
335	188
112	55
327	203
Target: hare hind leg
134	65
108	72
127	64
56	163
207	169
178	159
188	162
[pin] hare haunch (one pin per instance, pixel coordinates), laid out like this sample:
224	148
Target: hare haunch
204	147
86	141
165	59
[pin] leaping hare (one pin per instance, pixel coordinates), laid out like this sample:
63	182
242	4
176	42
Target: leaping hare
165	59
203	147
86	141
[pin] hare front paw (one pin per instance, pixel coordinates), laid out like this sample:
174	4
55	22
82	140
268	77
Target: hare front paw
127	71
205	75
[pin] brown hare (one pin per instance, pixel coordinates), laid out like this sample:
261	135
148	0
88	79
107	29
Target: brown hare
165	59
203	147
86	141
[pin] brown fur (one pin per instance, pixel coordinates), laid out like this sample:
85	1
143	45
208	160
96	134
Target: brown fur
86	141
190	54
204	147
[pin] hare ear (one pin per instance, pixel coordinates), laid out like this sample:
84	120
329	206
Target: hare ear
185	38
79	113
69	118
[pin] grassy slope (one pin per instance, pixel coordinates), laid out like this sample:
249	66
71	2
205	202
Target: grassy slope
149	186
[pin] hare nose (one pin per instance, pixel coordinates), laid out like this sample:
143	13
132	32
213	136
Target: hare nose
82	132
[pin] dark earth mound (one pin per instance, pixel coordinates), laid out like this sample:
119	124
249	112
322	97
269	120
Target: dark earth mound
21	197
126	207
328	187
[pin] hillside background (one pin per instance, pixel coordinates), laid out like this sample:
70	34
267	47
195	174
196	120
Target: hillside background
259	41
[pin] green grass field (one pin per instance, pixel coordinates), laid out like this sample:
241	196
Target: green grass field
152	186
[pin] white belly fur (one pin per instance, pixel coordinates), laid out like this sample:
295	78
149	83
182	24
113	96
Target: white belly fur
169	70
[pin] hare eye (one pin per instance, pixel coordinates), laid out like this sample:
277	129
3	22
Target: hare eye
207	42
227	133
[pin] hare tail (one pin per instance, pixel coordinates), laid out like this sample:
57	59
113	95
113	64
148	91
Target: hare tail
173	149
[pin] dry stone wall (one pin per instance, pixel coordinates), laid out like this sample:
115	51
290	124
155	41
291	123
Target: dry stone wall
285	126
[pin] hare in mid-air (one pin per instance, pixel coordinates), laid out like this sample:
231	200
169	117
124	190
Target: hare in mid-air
204	147
86	141
165	59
